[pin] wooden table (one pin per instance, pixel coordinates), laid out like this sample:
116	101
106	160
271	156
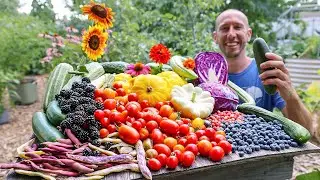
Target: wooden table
266	165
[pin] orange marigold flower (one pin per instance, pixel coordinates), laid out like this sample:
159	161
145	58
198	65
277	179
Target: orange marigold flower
189	63
160	54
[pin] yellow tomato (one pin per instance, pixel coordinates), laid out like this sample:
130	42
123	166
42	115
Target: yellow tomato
197	123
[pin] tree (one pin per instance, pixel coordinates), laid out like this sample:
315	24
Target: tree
9	6
43	10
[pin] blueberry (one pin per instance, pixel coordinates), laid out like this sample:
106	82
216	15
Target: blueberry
241	142
273	147
241	153
248	150
255	142
278	148
230	133
245	137
269	142
276	137
237	140
287	137
240	148
257	148
286	146
230	141
267	147
249	141
281	146
264	142
293	144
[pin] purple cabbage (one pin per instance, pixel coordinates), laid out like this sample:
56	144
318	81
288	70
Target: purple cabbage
225	98
211	67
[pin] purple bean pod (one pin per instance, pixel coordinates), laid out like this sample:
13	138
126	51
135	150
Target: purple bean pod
46	160
59	172
15	166
57	148
101	159
72	137
118	168
65	141
58	144
141	157
79	150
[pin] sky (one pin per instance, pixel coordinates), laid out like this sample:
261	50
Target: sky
58	7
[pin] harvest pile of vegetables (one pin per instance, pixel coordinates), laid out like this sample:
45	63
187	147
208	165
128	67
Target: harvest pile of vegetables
114	116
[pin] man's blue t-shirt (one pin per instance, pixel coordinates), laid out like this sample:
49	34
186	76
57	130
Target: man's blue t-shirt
249	81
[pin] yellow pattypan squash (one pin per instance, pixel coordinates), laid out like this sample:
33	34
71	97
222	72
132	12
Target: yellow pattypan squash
192	101
172	78
152	88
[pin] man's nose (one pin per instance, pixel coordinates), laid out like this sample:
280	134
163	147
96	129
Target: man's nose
231	32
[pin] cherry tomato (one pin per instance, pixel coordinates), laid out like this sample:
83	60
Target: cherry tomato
162	149
157	136
204	138
214	143
174	116
226	146
158	105
200	133
107	113
104	133
162	158
151	110
182	141
170	142
121	108
139	114
117	85
210	133
178	154
98	93
165	111
148	116
111	128
216	153
183	129
130	119
108	93
204	147
172	162
144	133
192	139
121	92
179	147
132	109
98	114
137	125
134	103
179	122
142	121
221	132
193	148
157	118
154	164
187	158
105	122
169	127
132	97
218	138
128	134
151	125
99	99
110	104
186	120
144	104
151	153
117	117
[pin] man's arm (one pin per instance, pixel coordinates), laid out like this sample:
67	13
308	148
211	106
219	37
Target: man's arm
279	76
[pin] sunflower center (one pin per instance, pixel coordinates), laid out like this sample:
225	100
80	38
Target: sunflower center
94	42
99	11
138	66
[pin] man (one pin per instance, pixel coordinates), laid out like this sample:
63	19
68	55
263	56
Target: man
232	32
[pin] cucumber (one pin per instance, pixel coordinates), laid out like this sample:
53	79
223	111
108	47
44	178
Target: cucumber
57	79
243	95
114	67
293	129
43	130
54	114
260	48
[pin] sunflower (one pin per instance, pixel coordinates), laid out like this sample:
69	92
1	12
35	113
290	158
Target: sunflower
99	13
94	42
160	54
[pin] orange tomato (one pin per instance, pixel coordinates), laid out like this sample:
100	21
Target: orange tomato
179	147
123	100
165	111
173	116
109	93
170	142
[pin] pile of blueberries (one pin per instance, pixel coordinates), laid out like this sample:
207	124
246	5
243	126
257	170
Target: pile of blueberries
254	134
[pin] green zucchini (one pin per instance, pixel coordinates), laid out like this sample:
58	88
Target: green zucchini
243	95
43	130
293	129
260	48
57	79
114	67
54	114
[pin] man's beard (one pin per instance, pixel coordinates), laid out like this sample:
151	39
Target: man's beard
232	54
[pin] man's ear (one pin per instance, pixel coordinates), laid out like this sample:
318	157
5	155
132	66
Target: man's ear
214	36
249	34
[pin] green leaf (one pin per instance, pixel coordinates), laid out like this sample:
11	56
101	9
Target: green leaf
82	68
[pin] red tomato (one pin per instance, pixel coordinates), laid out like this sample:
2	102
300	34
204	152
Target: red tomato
169	127
210	133
104	133
98	114
193	148
151	125
162	158
178	121
135	103
158	105
133	109
162	149
226	146
148	116
219	137
111	128
98	93
110	104
144	104
144	133
178	154
117	85
105	122
130	119
158	118
170	142
183	129
137	125
139	114
200	133
107	113
117	117
154	164
157	136
128	134
187	158
151	110
165	111
182	141
172	162
132	97
142	121
204	147
204	138
214	143
99	99
216	153
192	139
121	92
121	108
186	120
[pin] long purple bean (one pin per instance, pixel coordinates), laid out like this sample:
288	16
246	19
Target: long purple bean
15	166
118	168
101	159
92	166
49	166
58	144
59	172
57	148
79	150
46	149
65	141
141	157
51	157
34	146
72	137
46	160
77	166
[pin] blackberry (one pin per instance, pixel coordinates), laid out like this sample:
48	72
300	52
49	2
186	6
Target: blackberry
86	152
90	118
89	88
95	153
99	105
108	145
80	108
85	100
75	94
79	120
79	90
76	129
86	80
67	123
83	135
76	85
62	102
66	93
96	142
90	95
94	134
65	109
73	103
95	124
90	109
